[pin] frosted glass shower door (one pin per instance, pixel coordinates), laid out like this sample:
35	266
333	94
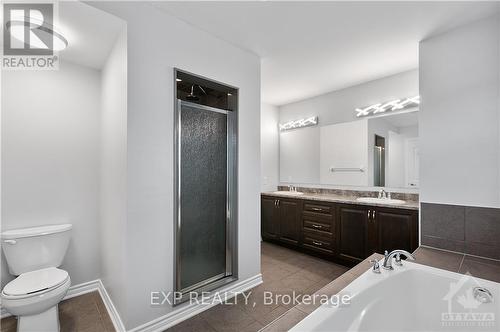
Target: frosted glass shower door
205	163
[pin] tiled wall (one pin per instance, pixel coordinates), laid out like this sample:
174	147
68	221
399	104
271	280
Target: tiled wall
471	230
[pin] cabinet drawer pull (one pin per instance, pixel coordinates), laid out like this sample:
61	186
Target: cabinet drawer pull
317	226
317	243
369	212
373	214
317	209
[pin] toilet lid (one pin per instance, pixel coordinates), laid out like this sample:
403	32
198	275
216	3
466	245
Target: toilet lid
36	281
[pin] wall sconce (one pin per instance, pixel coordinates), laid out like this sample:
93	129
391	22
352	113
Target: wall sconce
301	123
393	105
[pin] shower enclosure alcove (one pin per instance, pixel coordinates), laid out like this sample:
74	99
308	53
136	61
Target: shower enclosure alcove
205	212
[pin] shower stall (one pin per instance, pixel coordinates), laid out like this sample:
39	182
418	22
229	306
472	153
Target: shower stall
206	188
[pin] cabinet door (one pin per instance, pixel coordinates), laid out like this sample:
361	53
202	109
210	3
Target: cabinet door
397	229
352	233
269	218
289	221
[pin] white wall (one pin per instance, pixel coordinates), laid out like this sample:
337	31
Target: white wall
459	115
156	43
113	172
338	106
344	145
50	158
269	147
299	155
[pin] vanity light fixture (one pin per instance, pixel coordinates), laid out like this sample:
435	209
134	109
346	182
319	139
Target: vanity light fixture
294	124
393	105
17	27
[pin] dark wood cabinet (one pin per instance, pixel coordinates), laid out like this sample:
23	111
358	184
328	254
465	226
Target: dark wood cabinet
346	233
269	216
280	219
397	229
352	232
289	221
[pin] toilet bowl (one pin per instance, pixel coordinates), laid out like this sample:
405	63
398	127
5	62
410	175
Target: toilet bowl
33	296
33	255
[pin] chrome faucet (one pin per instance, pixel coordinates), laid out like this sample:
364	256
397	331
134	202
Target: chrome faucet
382	194
395	253
292	188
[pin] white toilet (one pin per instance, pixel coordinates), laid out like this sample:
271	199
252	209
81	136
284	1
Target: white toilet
33	254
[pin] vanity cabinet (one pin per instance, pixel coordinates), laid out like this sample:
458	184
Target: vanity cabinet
318	227
354	233
269	216
280	219
363	230
396	229
346	233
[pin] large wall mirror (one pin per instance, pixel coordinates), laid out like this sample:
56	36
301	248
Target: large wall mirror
376	151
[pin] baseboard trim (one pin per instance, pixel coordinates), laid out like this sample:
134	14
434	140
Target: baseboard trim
164	322
88	287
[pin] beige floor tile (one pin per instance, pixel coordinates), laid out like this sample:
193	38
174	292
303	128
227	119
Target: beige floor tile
227	318
286	322
195	324
8	324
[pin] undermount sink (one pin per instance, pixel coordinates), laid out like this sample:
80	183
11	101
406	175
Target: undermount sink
291	193
380	200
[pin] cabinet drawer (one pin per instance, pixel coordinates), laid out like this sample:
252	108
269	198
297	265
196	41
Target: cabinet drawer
313	222
318	239
318	208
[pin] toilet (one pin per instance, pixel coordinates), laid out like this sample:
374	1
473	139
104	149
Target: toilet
34	255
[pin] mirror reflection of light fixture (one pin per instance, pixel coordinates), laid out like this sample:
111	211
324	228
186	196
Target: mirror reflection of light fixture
393	105
294	124
17	27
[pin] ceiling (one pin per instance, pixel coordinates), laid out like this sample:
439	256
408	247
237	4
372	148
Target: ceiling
310	48
91	33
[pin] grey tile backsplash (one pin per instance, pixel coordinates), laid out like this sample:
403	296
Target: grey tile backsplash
471	230
356	193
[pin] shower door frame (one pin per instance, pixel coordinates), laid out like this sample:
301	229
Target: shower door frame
231	272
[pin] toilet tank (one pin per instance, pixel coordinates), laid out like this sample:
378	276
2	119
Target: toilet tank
34	248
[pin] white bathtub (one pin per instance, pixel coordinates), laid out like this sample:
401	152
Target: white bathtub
413	297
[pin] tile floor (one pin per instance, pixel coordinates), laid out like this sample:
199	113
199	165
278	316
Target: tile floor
284	272
85	313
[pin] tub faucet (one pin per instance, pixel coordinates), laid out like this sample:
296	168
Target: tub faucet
395	253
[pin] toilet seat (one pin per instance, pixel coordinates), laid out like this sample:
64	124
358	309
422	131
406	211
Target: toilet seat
34	283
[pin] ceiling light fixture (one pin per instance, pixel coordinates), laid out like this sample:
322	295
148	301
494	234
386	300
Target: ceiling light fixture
301	123
45	31
393	105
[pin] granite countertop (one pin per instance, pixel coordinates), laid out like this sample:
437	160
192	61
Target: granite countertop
347	199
